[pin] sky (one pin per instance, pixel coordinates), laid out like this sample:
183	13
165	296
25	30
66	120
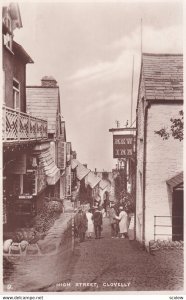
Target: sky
88	47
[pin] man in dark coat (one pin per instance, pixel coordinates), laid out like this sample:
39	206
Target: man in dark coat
80	221
98	221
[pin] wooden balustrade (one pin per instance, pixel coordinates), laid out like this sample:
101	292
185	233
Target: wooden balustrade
19	126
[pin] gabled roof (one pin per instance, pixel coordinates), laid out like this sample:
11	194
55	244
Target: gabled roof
176	181
43	102
163	76
20	51
103	184
81	171
93	180
14	13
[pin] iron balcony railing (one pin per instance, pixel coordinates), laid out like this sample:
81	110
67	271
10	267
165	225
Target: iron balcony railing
19	126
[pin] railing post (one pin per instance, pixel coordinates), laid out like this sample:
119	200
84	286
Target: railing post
29	127
18	125
4	122
36	128
46	129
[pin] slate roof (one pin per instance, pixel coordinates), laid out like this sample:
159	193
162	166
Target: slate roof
163	76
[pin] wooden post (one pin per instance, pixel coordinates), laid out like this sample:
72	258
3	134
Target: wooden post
21	184
4	122
18	125
29	127
72	233
36	129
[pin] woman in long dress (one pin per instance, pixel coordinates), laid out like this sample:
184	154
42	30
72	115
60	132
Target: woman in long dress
90	229
123	222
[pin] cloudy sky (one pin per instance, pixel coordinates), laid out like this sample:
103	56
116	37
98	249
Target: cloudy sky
89	47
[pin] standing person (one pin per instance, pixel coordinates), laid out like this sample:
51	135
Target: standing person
90	228
98	221
123	224
81	224
113	222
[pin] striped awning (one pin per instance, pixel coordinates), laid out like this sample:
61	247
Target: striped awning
93	180
103	184
74	163
81	171
51	170
175	181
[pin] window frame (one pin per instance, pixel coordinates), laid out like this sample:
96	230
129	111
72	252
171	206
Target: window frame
16	94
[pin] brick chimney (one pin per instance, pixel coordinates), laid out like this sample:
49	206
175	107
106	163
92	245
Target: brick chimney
48	81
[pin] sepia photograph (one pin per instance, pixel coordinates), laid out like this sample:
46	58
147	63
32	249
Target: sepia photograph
92	147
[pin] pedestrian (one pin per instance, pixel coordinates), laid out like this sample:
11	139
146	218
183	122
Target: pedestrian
81	224
123	222
98	221
90	226
113	222
103	212
105	207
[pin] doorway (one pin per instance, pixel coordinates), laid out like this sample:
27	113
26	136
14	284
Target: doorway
177	214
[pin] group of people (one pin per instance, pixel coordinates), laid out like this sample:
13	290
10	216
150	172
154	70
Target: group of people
88	223
119	223
91	221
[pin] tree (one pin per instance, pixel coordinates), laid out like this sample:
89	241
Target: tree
120	183
175	130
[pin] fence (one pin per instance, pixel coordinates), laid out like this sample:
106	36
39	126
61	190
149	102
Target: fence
168	227
19	126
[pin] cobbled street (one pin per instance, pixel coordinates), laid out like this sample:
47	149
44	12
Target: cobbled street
104	264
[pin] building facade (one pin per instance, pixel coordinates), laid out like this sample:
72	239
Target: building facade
44	101
159	177
23	178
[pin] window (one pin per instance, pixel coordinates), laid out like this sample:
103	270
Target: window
8	35
16	94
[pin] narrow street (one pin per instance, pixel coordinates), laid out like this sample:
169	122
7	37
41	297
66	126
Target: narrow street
104	264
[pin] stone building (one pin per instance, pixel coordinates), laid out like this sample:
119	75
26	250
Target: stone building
159	174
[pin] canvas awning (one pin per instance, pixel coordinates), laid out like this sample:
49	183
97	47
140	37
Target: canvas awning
103	184
51	170
176	181
93	180
81	171
74	163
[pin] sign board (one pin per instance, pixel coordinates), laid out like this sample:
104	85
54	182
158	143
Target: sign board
61	155
122	146
25	196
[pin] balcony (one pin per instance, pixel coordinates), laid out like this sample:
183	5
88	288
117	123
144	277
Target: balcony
21	127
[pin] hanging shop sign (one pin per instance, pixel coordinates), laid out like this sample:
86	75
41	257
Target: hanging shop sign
25	196
122	146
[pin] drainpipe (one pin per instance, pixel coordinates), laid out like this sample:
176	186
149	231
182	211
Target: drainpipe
144	169
135	161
